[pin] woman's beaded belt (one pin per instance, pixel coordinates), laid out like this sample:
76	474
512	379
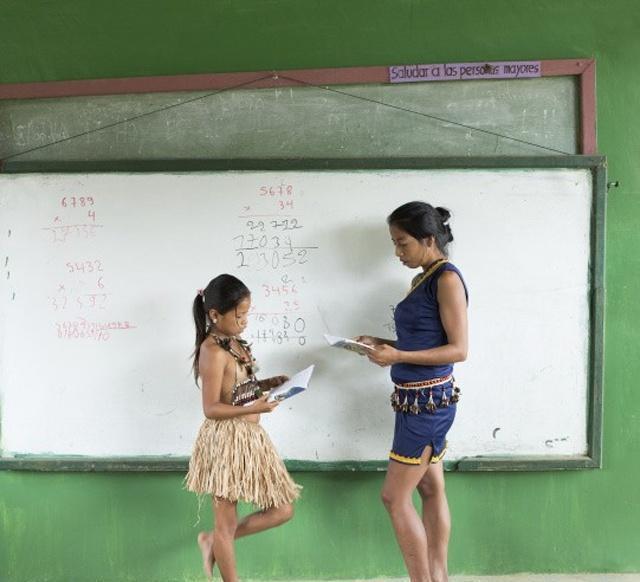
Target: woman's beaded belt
425	383
400	401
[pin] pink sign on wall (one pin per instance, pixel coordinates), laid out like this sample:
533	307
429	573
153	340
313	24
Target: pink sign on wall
464	71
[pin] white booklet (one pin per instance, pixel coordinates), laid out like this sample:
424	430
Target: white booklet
294	385
348	344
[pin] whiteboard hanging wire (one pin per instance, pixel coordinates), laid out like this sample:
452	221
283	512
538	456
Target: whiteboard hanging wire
276	76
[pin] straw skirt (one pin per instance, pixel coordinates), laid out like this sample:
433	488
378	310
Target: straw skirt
235	460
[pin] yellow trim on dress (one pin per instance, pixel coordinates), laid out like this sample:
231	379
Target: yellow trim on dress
417	460
405	460
437	458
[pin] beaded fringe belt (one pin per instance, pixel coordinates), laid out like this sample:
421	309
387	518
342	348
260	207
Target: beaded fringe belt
400	401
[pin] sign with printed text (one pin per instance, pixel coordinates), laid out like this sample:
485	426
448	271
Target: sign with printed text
464	71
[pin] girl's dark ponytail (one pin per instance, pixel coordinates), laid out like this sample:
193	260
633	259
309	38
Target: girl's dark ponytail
223	294
200	321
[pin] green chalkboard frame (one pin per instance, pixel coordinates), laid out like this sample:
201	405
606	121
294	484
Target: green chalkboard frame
583	70
597	165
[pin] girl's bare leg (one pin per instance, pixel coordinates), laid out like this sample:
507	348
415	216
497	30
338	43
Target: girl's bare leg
262	520
397	490
436	519
251	524
205	541
226	524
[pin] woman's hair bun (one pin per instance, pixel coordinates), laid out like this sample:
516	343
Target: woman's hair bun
444	214
447	230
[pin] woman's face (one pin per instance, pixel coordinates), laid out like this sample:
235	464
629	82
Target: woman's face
411	251
234	321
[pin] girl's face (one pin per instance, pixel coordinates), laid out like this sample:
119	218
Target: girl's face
411	251
234	321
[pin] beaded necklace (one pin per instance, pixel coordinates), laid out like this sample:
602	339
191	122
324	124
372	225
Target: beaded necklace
248	390
428	272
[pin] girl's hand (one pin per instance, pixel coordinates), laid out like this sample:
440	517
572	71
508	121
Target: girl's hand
369	340
384	355
273	382
261	405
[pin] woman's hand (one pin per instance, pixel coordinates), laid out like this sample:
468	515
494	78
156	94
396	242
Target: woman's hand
369	340
273	382
261	405
384	355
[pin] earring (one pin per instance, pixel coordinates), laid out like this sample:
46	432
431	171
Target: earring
215	320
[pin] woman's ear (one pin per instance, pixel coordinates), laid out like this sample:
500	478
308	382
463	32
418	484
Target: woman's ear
429	241
213	315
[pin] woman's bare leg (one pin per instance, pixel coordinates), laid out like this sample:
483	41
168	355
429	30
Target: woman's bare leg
436	519
397	492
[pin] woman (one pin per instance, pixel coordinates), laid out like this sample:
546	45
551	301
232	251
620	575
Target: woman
431	325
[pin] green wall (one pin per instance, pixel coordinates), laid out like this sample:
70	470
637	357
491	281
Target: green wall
75	527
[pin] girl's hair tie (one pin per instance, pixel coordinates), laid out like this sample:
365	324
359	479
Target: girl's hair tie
201	293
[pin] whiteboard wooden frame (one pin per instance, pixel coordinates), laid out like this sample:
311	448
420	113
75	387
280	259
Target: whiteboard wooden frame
582	69
596	164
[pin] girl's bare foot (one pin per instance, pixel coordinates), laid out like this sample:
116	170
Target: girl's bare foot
205	541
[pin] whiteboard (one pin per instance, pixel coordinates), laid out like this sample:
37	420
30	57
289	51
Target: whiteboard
100	270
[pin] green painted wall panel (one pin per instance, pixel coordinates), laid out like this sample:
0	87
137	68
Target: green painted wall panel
141	527
76	527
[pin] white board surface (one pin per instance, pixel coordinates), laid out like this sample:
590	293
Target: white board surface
100	270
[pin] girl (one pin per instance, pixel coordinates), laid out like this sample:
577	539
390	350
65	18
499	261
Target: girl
431	325
233	458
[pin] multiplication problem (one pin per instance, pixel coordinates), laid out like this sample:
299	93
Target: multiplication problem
80	202
279	329
76	220
281	194
83	287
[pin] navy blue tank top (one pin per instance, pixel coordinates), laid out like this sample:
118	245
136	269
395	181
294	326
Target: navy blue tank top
419	327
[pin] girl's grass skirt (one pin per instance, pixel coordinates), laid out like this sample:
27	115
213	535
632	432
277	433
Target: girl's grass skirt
235	460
